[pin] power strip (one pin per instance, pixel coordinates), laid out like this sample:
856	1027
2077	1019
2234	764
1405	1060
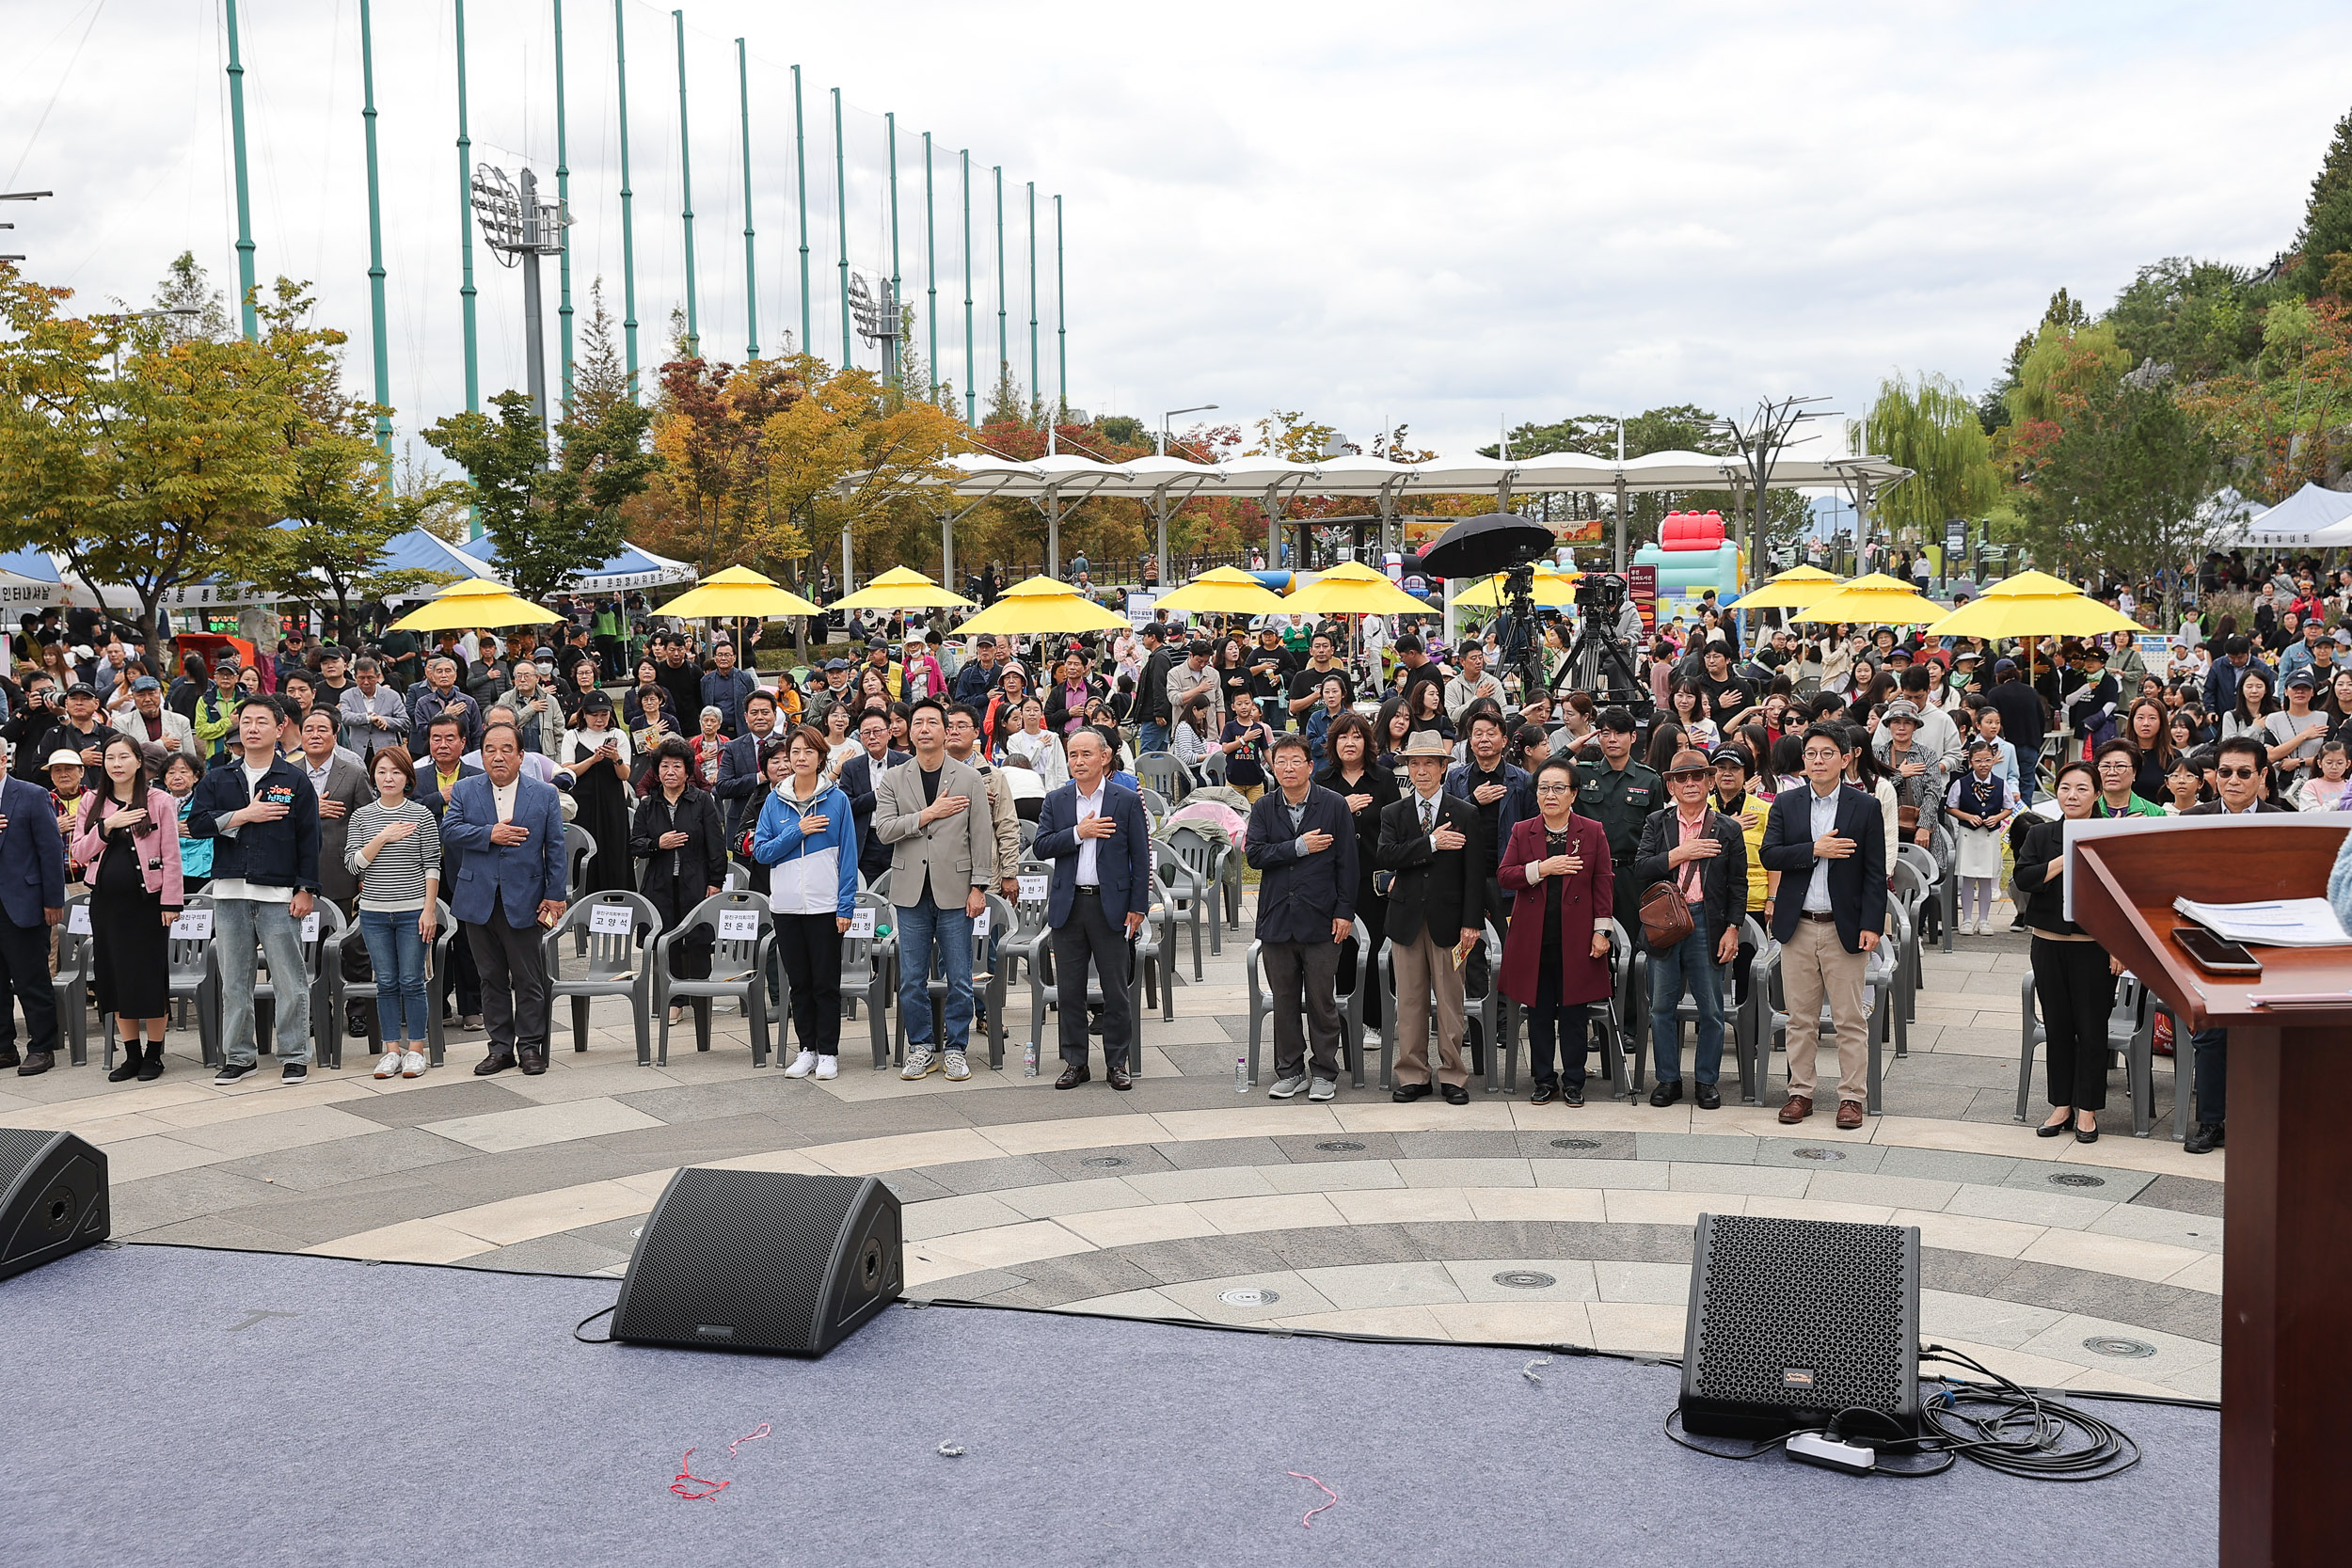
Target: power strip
1814	1449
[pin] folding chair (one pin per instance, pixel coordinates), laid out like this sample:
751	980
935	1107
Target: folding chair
619	928
370	989
738	968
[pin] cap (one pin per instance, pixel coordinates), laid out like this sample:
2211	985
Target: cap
1898	710
2004	666
1898	651
1427	743
1689	765
82	688
597	702
65	757
2303	678
2093	650
147	683
836	664
1959	654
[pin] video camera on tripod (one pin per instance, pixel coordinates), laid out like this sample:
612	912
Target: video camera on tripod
1505	543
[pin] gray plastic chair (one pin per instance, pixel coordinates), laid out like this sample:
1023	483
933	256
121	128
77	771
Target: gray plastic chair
1351	1009
1045	992
2132	1036
738	969
70	986
346	992
1775	1014
1210	862
580	853
865	973
608	964
1485	1014
1163	773
322	982
1685	1011
988	991
1190	892
194	979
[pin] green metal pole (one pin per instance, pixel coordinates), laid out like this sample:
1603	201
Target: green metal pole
890	127
930	265
1035	391
628	221
751	260
563	208
800	189
1003	345
971	355
375	231
686	194
244	210
1061	318
841	223
465	229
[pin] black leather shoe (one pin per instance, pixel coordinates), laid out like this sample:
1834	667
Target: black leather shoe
1572	1094
2054	1128
1120	1078
1709	1097
497	1061
1667	1094
1455	1094
9	1057
1073	1075
534	1060
1405	1094
2203	1139
2085	1134
1545	1094
36	1063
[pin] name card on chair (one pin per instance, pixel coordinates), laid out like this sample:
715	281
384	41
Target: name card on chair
77	920
311	926
192	926
739	925
862	924
1036	889
611	920
980	923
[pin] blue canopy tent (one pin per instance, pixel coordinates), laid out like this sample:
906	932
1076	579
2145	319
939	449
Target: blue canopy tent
631	568
29	580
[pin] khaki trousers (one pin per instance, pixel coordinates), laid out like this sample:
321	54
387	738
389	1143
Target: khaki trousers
1814	965
1421	966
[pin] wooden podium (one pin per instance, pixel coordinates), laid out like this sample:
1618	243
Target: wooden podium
2286	1297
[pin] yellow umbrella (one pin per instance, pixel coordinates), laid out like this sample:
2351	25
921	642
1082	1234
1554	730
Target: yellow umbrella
1552	587
738	593
1226	591
2034	604
900	588
1042	606
1792	589
475	602
1353	589
1875	600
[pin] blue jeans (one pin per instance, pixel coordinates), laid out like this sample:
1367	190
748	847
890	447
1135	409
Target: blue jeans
919	926
240	926
397	952
1691	960
1151	738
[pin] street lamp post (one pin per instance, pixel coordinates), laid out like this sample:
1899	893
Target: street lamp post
1197	409
1163	506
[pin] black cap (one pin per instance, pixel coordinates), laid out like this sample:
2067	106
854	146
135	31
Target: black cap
82	688
597	702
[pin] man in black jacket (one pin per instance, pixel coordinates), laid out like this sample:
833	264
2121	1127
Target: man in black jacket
1828	841
740	771
1436	845
1302	842
2024	721
1152	709
858	777
2239	764
1704	855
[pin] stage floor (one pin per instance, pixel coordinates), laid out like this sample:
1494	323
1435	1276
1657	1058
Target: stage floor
171	1407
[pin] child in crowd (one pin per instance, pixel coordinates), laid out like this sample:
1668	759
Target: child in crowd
1983	803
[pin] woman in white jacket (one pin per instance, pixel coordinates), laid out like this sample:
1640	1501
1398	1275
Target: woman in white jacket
808	836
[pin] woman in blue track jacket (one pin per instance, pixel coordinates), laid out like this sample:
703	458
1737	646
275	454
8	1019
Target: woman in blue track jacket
807	837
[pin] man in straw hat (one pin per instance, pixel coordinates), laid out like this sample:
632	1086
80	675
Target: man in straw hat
1437	847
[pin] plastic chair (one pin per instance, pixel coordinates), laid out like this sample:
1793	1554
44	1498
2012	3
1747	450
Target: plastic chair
1163	773
1486	1015
1767	978
323	982
71	984
1943	890
580	851
1045	990
1190	891
988	989
1154	806
1211	862
2132	1035
612	963
369	990
1351	1008
196	980
738	969
737	878
865	971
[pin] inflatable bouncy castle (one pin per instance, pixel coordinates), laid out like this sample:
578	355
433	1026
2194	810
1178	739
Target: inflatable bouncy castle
1692	555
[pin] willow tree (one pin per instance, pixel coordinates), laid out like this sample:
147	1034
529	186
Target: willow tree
1932	428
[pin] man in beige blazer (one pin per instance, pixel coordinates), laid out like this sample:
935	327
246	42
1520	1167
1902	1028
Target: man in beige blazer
934	814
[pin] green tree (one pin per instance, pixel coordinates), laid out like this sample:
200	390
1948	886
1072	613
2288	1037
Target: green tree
2120	490
1930	428
2326	234
2201	318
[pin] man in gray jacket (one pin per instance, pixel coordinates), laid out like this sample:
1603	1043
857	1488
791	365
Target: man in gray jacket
373	716
934	814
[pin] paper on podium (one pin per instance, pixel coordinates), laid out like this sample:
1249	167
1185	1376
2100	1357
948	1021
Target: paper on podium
2276	922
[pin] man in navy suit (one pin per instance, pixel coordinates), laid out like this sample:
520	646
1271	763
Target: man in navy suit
858	777
509	885
1094	833
1828	841
437	772
32	896
1303	843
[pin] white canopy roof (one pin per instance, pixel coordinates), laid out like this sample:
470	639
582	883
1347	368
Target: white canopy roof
2314	518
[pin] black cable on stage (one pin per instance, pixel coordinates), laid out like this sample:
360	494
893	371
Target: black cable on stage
592	1316
2018	1431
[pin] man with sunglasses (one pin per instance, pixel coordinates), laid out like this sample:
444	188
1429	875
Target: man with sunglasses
2239	765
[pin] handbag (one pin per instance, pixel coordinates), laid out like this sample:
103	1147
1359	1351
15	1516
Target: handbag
1665	917
1907	818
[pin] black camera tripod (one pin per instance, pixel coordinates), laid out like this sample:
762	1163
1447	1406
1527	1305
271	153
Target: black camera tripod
1602	663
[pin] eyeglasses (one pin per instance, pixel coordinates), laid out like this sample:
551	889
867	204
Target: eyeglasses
2240	773
1687	774
1554	789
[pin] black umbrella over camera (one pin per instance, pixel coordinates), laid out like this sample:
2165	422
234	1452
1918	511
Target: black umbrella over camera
1483	546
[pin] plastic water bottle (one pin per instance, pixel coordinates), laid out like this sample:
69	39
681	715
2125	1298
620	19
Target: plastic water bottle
1241	1075
1028	1060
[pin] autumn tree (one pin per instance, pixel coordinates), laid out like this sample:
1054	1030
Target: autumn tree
710	428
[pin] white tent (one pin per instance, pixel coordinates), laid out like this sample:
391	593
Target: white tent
2314	517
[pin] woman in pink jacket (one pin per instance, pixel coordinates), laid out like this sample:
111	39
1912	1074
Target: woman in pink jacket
130	839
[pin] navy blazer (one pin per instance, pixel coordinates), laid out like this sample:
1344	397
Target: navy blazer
32	855
516	877
857	783
435	802
1122	862
1300	896
1858	885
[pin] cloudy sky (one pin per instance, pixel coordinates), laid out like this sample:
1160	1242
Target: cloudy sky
1450	215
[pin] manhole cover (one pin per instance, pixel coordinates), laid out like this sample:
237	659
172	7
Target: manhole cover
2076	1179
1250	1295
1575	1143
1340	1146
1106	1162
2112	1344
1526	1279
1822	1154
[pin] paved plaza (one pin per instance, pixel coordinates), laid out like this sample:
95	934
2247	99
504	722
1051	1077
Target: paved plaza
2058	1263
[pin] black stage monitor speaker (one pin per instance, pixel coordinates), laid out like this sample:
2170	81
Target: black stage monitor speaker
765	1261
1793	1321
52	1198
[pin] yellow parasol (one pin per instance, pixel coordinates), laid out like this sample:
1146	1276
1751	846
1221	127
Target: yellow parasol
1551	589
1792	589
738	593
475	602
1353	589
1875	600
2034	604
1042	606
1226	591
900	588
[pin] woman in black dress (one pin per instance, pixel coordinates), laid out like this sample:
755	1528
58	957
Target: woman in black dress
1353	772
678	834
598	755
130	839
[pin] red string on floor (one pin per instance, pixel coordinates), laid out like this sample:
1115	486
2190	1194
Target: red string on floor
1309	1522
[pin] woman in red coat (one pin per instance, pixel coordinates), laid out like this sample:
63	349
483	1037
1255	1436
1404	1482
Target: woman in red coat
1555	958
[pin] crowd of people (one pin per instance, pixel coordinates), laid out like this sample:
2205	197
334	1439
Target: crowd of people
1400	795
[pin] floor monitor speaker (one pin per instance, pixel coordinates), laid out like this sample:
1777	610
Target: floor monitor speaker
1792	1321
52	1198
761	1261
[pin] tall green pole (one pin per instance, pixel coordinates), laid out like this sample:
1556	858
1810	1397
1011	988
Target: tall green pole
751	260
1036	391
841	223
686	192
971	355
930	265
563	208
890	128
1061	318
244	211
1003	345
628	222
800	189
376	232
465	226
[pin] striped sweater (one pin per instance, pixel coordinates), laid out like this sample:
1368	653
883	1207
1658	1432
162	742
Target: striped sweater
394	882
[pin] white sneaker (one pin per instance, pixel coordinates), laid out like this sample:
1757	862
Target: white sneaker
958	1068
390	1066
828	1067
802	1065
412	1063
922	1061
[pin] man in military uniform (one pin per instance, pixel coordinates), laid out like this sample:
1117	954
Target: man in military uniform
1618	792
